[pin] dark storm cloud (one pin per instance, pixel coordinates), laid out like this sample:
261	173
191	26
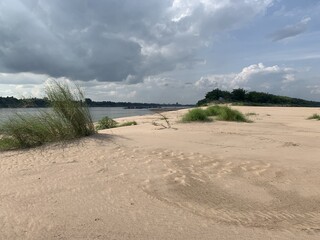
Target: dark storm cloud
112	40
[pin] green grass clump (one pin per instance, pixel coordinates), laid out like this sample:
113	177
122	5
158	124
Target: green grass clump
196	114
106	123
71	108
69	119
228	114
315	116
222	113
213	111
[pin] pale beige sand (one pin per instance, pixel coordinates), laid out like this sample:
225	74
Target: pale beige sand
220	180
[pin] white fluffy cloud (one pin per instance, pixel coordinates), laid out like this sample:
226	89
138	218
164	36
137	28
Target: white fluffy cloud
254	77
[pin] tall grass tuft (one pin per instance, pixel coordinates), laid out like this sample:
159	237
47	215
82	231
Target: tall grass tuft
196	114
69	119
71	108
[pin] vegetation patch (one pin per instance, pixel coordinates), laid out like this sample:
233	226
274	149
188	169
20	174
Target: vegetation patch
69	119
242	97
251	114
214	110
125	124
106	123
228	114
222	113
196	115
315	116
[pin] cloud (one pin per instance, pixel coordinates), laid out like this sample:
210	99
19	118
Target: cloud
314	89
22	78
113	40
254	77
291	30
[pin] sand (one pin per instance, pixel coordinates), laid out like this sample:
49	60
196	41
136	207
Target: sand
219	180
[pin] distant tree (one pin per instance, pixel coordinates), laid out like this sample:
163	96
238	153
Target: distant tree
217	94
253	98
238	94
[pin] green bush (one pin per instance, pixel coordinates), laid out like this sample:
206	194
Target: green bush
196	114
315	116
106	123
69	119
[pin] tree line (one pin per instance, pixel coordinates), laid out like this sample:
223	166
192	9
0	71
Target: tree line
12	102
252	98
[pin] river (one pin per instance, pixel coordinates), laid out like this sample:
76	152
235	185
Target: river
96	112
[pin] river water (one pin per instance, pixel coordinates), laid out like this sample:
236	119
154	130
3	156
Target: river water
96	112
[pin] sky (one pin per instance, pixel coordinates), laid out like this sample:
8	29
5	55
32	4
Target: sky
162	51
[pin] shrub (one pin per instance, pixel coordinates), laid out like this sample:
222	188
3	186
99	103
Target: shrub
106	123
69	119
196	114
315	116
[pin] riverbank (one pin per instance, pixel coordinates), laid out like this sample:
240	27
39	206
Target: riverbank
219	180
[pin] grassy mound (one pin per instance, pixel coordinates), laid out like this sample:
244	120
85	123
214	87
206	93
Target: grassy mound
196	114
69	119
315	116
222	113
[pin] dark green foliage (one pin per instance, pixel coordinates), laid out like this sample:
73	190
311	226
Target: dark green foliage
238	94
315	116
217	94
106	123
241	97
70	119
11	102
196	114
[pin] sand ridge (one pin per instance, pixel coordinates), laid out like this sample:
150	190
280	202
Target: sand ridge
218	180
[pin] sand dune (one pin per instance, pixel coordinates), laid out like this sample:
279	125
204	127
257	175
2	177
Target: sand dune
219	180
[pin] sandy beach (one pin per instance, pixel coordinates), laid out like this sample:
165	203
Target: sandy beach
214	180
